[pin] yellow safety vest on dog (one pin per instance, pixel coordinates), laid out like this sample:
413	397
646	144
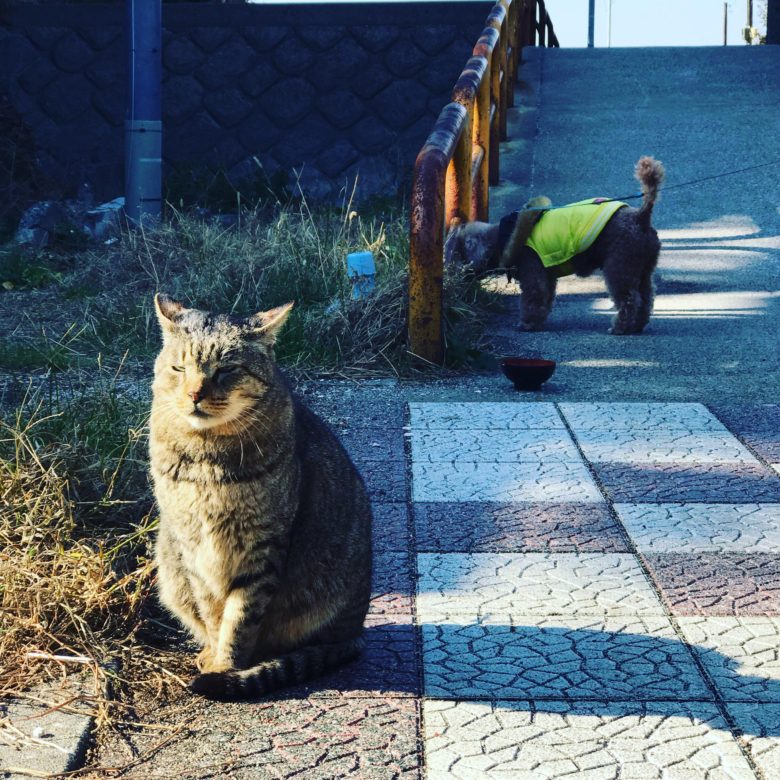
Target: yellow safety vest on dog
569	230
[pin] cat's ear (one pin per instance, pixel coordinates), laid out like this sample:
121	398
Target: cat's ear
167	311
265	325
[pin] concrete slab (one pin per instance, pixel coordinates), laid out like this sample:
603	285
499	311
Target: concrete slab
550	740
661	446
493	446
39	736
483	416
521	527
558	482
495	586
692	528
613	658
717	583
739	654
608	417
651	483
760	727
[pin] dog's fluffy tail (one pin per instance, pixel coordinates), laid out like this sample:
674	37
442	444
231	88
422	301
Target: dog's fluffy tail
650	174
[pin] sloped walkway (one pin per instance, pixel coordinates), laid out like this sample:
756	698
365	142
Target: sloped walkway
582	120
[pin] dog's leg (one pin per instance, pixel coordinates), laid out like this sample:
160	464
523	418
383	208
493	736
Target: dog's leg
633	299
647	293
628	278
537	290
629	307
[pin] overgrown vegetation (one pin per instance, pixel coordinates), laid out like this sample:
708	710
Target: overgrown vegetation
267	257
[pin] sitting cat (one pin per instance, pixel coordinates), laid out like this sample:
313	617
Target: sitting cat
264	545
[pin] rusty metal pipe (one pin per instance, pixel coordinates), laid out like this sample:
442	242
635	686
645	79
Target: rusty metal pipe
460	158
427	236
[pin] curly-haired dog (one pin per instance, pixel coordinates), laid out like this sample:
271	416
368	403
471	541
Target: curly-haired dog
538	245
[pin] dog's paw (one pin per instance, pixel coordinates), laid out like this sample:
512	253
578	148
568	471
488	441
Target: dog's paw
621	332
529	326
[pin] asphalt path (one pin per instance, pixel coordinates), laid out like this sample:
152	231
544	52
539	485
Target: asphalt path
581	120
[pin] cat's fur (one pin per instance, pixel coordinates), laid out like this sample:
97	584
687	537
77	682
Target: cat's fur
264	546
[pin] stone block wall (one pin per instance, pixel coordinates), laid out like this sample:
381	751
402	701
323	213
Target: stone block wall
332	91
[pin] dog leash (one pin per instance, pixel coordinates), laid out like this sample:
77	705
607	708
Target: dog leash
676	186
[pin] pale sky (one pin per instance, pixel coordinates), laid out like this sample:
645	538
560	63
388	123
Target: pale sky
639	22
654	22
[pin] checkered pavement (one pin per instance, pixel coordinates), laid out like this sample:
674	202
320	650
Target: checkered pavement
585	590
597	591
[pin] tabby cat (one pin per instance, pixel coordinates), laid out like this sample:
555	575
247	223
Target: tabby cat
264	545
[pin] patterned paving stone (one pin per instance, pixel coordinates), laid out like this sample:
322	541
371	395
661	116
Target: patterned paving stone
484	416
388	665
555	482
760	728
454	586
615	658
640	416
700	527
662	446
392	587
742	655
757	425
592	740
391	527
318	738
540	527
493	446
718	583
701	482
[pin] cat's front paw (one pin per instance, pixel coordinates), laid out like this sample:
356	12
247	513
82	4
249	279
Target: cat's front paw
205	661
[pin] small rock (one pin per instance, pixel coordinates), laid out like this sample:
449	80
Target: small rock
39	222
104	219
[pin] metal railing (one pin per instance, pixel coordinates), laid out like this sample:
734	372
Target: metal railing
459	160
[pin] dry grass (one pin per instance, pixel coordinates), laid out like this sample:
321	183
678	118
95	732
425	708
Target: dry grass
271	256
76	523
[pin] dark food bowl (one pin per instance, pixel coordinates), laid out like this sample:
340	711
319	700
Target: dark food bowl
527	373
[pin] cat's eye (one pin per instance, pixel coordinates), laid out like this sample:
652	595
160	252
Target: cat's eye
178	369
226	371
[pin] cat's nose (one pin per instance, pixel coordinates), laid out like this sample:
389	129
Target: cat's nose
196	395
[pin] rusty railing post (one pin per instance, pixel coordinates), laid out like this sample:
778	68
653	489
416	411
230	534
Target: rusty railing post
490	89
511	43
426	338
469	93
506	50
459	160
458	178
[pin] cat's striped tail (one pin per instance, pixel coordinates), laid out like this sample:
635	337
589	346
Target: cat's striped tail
292	669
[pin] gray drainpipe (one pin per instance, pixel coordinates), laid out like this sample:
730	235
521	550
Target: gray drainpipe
143	126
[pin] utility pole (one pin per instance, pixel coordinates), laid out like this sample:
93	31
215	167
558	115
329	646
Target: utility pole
143	124
609	27
591	21
725	24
